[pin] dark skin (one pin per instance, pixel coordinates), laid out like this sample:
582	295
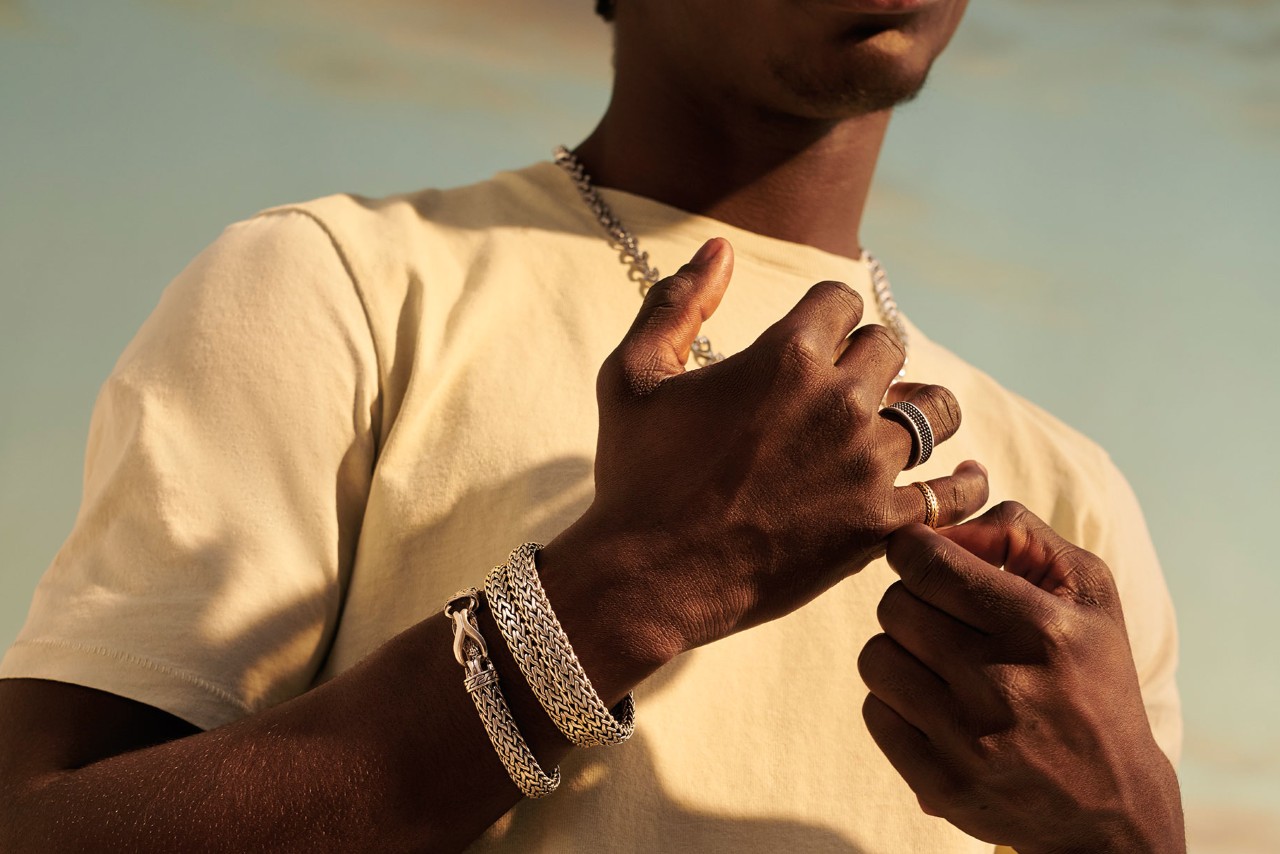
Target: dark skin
677	550
1008	700
330	770
778	108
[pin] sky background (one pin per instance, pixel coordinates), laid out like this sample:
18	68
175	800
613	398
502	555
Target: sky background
1083	204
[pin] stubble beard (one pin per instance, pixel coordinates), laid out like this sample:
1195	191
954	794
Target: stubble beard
864	87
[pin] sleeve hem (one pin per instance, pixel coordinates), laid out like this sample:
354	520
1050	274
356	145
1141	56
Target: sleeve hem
190	697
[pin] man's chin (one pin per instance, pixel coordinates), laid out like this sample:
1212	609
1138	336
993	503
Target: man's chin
870	82
869	65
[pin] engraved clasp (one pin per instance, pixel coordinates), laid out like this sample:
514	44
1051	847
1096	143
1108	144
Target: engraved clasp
461	608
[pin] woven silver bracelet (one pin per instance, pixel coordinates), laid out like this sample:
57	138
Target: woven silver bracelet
481	683
542	650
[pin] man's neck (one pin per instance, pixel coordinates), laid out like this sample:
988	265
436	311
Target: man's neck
797	180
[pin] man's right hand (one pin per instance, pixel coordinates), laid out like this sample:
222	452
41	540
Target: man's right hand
734	494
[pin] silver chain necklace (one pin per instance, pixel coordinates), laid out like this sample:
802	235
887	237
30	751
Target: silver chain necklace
640	270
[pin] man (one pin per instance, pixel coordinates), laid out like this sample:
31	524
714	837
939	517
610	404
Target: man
344	411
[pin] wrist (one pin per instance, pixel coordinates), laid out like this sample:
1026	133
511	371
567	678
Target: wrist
1155	821
618	627
1149	818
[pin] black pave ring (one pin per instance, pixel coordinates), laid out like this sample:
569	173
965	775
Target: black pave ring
918	425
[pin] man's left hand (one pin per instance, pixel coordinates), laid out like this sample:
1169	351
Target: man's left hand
1008	700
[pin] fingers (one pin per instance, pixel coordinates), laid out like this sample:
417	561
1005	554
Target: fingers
908	750
874	356
937	403
657	344
1011	536
901	391
960	495
818	323
938	640
903	683
957	582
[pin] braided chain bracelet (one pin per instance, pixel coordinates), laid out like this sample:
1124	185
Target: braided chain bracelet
481	683
541	648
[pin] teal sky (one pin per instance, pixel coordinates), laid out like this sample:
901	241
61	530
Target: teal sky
1083	203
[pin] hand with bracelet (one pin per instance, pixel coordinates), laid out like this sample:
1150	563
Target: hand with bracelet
280	675
713	512
734	494
762	526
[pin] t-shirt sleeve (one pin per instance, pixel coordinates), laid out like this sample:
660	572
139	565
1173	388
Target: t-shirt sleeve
228	465
1124	543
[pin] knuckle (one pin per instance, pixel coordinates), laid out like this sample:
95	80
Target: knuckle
842	411
880	521
954	497
891	604
871	715
607	377
948	405
1008	514
674	289
960	496
1088	585
888	462
871	656
886	341
640	368
1104	579
941	408
612	379
628	354
1055	635
987	747
928	571
798	356
857	417
949	789
850	300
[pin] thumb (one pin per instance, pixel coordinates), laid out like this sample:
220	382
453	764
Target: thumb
657	345
1011	536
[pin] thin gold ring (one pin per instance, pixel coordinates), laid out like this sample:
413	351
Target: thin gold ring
931	507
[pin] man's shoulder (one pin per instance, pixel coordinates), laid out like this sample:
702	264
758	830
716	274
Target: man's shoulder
1038	457
395	226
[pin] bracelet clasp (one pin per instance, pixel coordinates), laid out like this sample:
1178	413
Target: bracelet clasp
461	608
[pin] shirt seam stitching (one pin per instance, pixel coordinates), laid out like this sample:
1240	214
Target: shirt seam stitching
348	268
137	660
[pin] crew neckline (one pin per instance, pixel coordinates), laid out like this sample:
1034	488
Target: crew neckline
648	217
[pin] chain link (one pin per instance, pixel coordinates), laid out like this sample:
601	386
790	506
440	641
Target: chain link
481	682
510	746
640	270
546	658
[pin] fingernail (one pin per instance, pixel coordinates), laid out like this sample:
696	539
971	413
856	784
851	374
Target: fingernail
980	466
709	252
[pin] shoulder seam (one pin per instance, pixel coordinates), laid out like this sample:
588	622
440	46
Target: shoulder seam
343	258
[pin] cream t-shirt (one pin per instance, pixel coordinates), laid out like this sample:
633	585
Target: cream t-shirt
343	411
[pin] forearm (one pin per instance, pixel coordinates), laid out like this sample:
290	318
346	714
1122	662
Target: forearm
390	755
